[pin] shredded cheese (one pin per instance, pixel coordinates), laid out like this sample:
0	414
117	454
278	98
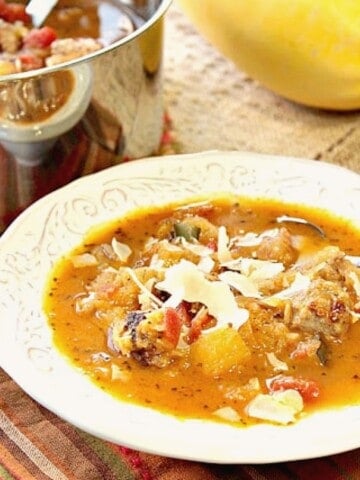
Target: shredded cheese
223	251
356	282
227	413
84	260
301	283
196	248
184	281
254	268
206	264
251	239
279	407
156	262
278	365
241	283
145	300
122	250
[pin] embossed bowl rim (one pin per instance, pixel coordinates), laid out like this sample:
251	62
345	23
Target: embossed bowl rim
57	222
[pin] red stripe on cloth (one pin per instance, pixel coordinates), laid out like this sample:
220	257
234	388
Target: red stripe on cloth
155	467
134	460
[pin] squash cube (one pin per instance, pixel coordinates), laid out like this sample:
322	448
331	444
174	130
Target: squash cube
219	351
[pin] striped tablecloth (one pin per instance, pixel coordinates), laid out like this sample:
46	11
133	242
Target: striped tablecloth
35	444
213	106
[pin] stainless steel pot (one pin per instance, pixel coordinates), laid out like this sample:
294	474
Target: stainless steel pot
112	112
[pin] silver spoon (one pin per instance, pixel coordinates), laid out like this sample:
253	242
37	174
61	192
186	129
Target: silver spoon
355	260
286	218
39	10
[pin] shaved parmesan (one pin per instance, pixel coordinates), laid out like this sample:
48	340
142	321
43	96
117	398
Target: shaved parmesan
122	250
184	281
206	264
84	260
355	260
145	298
227	413
301	283
196	248
118	373
254	268
252	239
276	363
356	282
253	384
223	251
279	407
241	283
355	317
170	247
156	262
150	242
84	303
261	269
252	271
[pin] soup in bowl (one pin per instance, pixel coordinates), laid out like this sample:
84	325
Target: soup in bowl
175	299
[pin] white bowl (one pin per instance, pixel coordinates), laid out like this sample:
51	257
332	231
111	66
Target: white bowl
56	223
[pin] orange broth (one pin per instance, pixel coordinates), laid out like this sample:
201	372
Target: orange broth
182	388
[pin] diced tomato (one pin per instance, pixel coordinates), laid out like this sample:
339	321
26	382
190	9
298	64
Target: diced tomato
12	12
40	37
199	322
183	310
172	325
308	389
30	62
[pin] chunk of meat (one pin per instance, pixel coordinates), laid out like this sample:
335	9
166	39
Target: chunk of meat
10	37
324	309
326	264
149	337
114	288
267	327
278	248
66	49
332	265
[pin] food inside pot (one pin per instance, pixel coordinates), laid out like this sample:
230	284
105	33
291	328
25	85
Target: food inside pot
35	99
70	31
213	310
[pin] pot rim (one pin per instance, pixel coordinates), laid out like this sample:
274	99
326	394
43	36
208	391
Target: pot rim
161	10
